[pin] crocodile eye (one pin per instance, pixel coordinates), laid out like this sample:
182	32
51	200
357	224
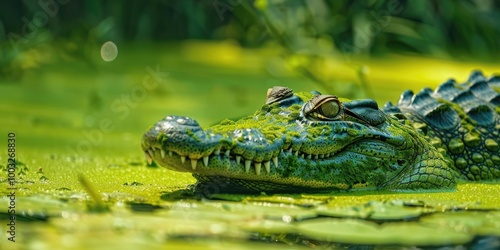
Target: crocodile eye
323	107
329	109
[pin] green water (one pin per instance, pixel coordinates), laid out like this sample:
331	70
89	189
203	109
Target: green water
74	119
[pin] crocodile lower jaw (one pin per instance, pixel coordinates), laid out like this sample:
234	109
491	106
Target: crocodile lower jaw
187	163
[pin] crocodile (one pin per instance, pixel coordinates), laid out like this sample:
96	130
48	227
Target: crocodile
310	142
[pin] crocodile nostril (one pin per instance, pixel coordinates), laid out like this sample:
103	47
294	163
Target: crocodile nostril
177	126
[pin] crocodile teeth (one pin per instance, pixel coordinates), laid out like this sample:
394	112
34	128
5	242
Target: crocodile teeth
217	151
194	163
297	153
321	156
290	150
308	156
149	159
151	152
257	167
315	157
238	159
162	153
275	161
302	155
205	161
183	159
267	165
227	153
170	153
247	165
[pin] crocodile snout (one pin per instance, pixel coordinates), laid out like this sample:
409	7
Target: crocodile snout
176	141
181	136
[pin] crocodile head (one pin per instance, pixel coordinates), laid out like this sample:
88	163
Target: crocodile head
300	142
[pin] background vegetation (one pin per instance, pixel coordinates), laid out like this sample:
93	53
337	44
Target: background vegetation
458	30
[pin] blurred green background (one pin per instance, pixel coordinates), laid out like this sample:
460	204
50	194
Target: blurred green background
215	59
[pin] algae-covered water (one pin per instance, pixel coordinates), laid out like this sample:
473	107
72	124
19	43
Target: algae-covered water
82	181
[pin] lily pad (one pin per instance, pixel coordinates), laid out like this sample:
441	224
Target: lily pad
379	211
298	200
365	232
477	223
267	226
268	210
39	206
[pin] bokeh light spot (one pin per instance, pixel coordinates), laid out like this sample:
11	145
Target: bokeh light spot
109	51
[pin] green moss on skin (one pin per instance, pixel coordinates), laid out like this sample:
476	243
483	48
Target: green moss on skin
317	131
305	96
268	119
193	135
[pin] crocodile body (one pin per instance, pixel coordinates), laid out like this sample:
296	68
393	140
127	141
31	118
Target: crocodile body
299	142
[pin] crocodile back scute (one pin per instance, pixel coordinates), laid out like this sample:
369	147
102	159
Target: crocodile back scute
461	120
